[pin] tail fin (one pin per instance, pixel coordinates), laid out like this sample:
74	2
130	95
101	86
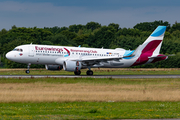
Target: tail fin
151	47
153	43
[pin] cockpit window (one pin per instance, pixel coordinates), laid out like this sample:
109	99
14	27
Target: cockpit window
18	49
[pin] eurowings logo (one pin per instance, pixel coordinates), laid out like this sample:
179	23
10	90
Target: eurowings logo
20	54
67	52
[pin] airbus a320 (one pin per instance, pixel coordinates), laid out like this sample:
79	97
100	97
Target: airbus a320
76	58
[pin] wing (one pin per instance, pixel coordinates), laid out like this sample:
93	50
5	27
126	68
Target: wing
89	60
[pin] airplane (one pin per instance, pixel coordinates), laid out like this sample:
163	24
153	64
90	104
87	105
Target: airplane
76	58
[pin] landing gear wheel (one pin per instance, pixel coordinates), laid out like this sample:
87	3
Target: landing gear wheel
89	72
77	72
27	71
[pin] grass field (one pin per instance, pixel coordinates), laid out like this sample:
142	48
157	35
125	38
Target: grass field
101	71
88	89
89	110
89	98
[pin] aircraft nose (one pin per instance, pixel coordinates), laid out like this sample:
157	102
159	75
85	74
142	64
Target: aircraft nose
9	55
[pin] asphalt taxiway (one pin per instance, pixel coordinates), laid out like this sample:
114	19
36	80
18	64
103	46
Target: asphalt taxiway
85	76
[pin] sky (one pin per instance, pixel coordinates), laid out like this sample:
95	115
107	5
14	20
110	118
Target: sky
50	13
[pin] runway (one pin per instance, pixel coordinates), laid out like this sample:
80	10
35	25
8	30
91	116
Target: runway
94	76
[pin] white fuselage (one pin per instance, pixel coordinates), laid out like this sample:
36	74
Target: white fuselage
76	58
55	55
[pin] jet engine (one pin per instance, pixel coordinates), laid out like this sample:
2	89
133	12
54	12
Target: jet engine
54	67
72	65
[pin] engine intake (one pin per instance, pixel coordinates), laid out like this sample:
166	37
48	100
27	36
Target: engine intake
72	65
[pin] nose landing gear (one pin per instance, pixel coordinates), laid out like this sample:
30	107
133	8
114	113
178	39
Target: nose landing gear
27	71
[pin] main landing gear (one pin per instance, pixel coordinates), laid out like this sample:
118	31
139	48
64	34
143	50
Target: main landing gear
78	72
27	71
89	72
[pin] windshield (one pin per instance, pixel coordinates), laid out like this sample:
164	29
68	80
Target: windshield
17	49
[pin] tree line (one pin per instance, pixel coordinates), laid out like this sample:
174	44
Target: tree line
93	35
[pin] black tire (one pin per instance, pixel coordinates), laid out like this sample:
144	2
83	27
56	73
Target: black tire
27	71
77	72
89	72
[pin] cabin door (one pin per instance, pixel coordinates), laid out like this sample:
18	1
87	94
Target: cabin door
31	51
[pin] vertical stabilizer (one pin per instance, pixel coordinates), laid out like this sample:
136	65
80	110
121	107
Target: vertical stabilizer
153	43
151	47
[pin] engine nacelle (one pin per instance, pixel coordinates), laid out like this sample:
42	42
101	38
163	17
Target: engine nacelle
72	65
54	67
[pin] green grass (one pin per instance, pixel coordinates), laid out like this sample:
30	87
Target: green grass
90	110
102	81
96	72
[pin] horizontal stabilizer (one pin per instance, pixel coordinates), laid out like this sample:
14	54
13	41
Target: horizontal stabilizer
160	56
157	57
